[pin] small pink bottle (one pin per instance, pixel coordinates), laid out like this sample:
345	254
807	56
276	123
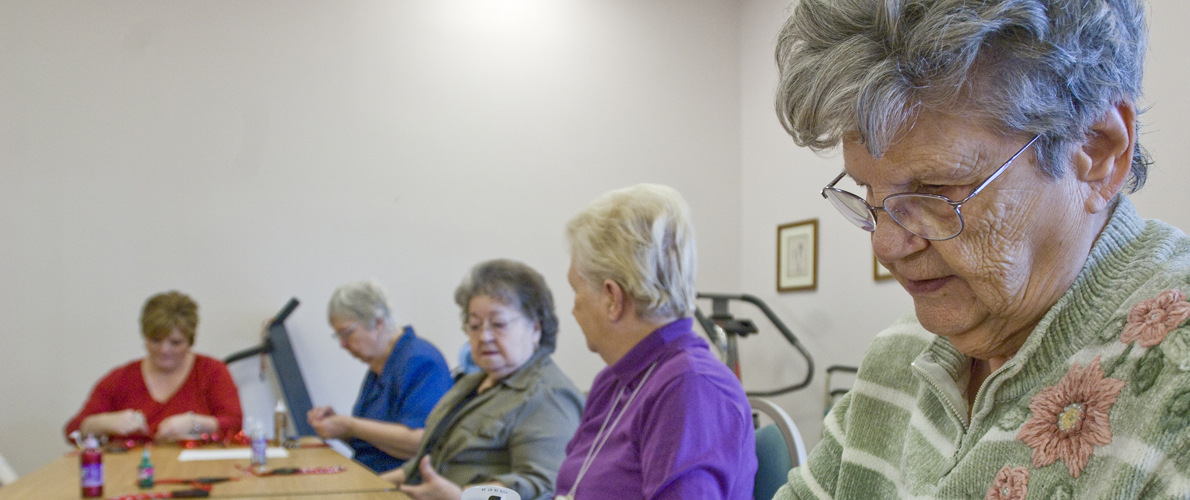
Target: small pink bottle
91	469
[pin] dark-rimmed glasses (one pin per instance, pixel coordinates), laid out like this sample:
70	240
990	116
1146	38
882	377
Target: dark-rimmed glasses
931	216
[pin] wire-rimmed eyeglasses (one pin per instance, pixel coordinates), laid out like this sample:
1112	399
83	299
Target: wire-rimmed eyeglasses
475	327
931	216
344	333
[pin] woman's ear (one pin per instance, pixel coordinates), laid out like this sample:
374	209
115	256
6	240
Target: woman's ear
614	300
1105	158
537	333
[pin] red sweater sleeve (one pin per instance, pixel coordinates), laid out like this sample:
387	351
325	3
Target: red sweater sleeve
222	397
107	395
208	390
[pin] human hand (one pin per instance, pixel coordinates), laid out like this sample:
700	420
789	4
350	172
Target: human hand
395	476
175	427
319	413
332	426
433	486
122	423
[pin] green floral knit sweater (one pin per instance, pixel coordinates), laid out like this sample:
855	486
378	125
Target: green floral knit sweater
1095	405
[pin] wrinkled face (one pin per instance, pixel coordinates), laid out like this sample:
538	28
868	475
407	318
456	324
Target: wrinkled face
355	337
502	338
988	287
169	353
588	310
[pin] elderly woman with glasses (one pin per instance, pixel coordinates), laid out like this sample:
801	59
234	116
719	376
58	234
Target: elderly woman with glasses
508	424
666	419
994	143
406	377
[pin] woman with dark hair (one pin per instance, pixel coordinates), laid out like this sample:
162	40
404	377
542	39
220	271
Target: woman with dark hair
507	425
170	394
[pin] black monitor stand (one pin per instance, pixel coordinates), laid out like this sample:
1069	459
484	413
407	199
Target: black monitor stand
293	386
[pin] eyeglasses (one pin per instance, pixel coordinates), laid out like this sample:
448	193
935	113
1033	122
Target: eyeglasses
931	216
340	336
475	327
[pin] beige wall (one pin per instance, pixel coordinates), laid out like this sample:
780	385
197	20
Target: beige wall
247	152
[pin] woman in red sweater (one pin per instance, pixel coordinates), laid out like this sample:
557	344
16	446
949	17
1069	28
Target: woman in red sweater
170	394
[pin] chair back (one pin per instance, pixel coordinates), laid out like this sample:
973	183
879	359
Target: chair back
772	462
779	448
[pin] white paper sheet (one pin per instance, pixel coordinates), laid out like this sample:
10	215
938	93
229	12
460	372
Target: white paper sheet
228	454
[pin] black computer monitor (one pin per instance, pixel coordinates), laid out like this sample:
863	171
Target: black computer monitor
293	386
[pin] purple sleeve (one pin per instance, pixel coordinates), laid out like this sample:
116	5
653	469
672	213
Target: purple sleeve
699	442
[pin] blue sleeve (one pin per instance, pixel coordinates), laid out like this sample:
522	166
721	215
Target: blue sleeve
425	379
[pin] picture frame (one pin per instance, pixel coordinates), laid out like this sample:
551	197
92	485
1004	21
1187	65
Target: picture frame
879	272
797	256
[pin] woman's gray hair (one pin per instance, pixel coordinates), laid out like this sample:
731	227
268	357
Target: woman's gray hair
513	284
1049	67
641	238
362	300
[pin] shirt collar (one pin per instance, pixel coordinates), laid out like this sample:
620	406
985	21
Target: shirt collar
392	364
526	375
523	378
650	349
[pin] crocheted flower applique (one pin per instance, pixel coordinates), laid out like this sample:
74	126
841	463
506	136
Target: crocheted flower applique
1062	492
1013	419
1151	320
1177	414
1070	418
1010	484
1148	368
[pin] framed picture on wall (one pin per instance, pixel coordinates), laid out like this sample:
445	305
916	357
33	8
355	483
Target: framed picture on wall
879	272
797	256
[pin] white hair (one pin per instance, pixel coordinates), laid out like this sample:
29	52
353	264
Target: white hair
1033	67
362	300
641	238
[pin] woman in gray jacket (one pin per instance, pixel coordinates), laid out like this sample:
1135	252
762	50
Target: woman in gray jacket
509	424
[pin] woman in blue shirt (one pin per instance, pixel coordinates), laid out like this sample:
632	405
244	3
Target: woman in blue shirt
406	378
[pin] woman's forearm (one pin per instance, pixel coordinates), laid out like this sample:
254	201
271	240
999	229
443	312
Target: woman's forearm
98	424
394	439
204	424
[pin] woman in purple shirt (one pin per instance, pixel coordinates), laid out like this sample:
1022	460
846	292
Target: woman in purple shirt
665	419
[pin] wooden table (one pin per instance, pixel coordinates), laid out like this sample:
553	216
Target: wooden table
370	495
60	479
